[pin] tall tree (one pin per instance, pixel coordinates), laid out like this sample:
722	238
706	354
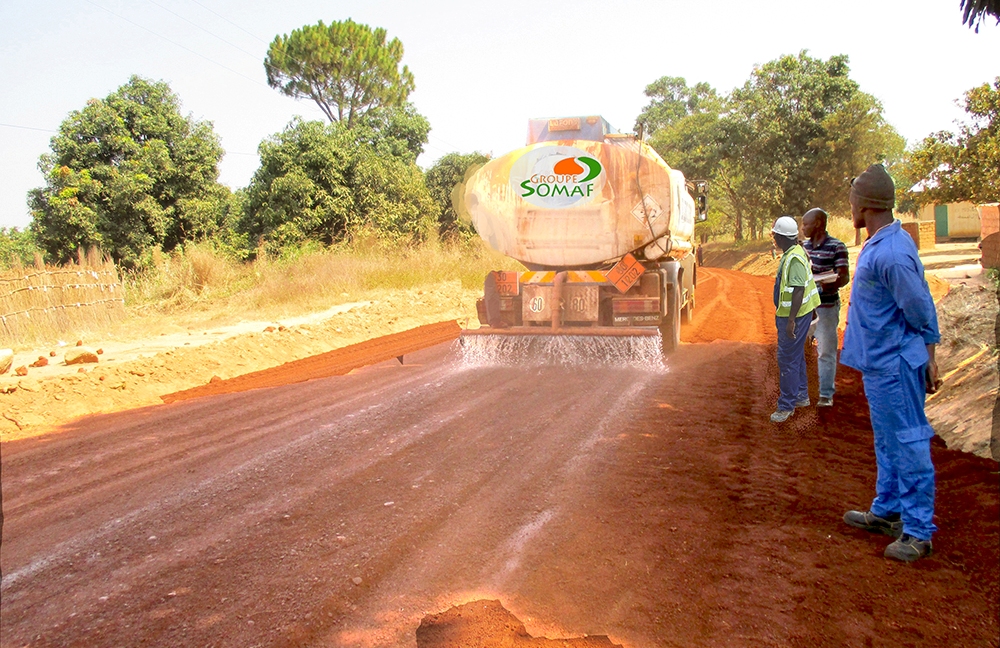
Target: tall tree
127	173
961	166
691	144
671	100
17	247
788	139
345	67
399	131
855	135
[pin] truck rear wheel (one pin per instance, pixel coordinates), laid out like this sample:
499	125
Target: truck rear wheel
689	310
670	329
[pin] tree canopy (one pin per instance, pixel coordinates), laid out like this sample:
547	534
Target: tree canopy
17	247
445	179
323	182
672	100
399	131
127	173
955	167
345	67
789	139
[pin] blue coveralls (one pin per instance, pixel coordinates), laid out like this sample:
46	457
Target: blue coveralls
890	321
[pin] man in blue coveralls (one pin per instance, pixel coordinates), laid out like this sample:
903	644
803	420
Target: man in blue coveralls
891	334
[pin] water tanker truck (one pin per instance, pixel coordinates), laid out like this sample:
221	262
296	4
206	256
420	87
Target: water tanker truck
604	227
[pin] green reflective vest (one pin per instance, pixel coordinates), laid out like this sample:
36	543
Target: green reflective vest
810	299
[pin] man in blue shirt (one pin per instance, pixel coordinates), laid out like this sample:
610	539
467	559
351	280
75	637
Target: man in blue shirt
891	335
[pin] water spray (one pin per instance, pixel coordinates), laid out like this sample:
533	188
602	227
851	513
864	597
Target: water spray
635	352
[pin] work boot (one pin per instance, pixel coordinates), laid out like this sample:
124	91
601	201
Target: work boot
825	401
781	416
890	526
907	548
803	403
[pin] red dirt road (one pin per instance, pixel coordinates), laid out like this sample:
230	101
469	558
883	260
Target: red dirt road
657	508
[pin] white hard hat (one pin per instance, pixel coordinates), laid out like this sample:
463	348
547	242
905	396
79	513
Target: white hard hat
786	226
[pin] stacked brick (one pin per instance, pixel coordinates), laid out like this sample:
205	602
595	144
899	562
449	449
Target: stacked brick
922	233
989	217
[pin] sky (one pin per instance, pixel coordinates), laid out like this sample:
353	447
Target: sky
482	69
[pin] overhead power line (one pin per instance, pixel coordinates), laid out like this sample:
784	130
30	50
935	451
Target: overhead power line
158	35
44	130
172	42
230	22
214	35
210	33
435	137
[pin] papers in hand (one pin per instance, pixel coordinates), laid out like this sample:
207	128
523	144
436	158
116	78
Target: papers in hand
825	277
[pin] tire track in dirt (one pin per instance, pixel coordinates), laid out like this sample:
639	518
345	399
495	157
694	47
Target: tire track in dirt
123	451
732	306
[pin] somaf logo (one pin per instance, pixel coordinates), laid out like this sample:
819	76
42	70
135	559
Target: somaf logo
557	176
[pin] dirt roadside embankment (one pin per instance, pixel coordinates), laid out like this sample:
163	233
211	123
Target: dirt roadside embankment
137	373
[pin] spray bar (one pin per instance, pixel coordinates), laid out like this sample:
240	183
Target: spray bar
601	331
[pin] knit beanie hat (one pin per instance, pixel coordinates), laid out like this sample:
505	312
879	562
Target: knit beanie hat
874	189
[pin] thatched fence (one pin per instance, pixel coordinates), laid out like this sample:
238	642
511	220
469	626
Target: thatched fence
43	301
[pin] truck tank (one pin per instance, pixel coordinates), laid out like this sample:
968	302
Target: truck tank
580	196
604	227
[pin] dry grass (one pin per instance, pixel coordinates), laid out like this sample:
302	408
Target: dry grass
202	285
841	228
200	277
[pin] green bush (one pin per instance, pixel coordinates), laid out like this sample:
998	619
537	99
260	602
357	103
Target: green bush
17	248
445	179
127	173
321	182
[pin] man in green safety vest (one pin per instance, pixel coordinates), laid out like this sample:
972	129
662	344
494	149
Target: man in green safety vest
796	299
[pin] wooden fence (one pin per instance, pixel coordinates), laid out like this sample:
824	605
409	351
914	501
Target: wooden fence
42	301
